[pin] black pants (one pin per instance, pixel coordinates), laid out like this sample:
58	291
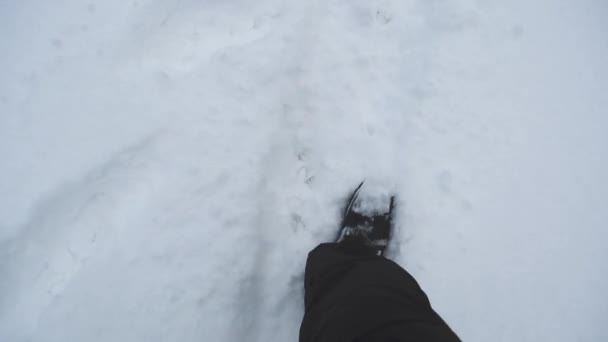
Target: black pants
353	295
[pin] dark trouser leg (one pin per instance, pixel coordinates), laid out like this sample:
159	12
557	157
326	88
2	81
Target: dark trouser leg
351	293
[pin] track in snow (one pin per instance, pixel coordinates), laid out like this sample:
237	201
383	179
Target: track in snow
168	165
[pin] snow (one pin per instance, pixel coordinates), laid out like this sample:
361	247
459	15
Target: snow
167	165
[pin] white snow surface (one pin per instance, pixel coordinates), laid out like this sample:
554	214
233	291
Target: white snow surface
166	165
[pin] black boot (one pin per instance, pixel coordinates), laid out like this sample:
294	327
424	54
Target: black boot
367	219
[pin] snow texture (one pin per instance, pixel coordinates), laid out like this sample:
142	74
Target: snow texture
166	165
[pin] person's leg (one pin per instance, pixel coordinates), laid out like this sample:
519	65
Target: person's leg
351	293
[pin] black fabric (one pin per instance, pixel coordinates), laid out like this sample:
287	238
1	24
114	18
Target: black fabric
353	295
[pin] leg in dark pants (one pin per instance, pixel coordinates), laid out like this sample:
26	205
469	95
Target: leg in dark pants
352	294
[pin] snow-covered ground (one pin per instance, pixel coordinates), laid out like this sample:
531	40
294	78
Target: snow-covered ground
166	165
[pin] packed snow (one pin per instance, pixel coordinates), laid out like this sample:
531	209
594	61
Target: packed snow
166	165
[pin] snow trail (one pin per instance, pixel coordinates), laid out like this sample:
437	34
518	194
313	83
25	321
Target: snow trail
167	166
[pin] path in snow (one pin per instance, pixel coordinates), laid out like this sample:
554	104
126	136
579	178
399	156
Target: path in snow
167	165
